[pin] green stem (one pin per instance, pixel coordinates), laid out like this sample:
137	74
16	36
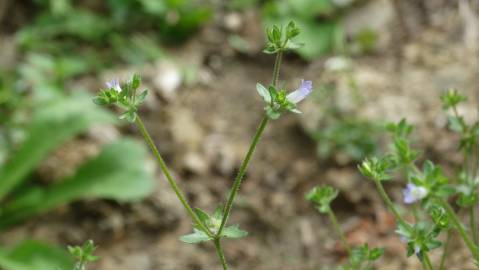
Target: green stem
277	68
458	225
241	173
425	261
384	196
472	220
168	176
337	227
244	164
221	255
445	250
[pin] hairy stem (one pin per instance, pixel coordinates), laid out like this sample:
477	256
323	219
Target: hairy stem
221	255
337	227
384	196
244	164
460	228
241	173
169	177
277	68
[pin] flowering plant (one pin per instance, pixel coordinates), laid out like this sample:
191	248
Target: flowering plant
213	227
430	188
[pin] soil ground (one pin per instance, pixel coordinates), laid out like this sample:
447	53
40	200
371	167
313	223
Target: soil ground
205	128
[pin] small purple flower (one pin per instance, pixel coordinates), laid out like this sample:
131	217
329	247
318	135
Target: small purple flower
114	84
302	92
413	193
417	250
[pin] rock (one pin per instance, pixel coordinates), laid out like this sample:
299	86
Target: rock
233	22
128	260
185	130
195	163
220	153
168	79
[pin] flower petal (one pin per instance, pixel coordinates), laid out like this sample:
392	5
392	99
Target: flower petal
114	84
301	93
413	193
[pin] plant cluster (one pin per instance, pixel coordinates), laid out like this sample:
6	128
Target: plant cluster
432	196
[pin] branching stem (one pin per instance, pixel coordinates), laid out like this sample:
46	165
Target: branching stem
169	177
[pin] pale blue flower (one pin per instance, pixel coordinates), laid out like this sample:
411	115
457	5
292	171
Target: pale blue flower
114	84
413	193
302	92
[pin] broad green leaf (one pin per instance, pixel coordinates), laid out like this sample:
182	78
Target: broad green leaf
52	124
35	255
118	173
196	237
234	232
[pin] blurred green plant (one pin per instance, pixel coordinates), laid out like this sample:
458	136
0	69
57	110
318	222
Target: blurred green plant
30	255
109	30
37	118
348	136
83	254
361	257
319	21
109	175
340	133
430	189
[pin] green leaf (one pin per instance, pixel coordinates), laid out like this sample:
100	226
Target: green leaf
271	49
53	123
35	255
196	237
295	111
276	32
129	115
292	30
272	114
135	81
84	253
140	99
291	45
375	253
202	215
263	92
234	232
218	213
318	38
322	196
118	173
451	98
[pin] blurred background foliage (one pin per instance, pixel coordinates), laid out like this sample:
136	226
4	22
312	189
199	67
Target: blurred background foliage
63	40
